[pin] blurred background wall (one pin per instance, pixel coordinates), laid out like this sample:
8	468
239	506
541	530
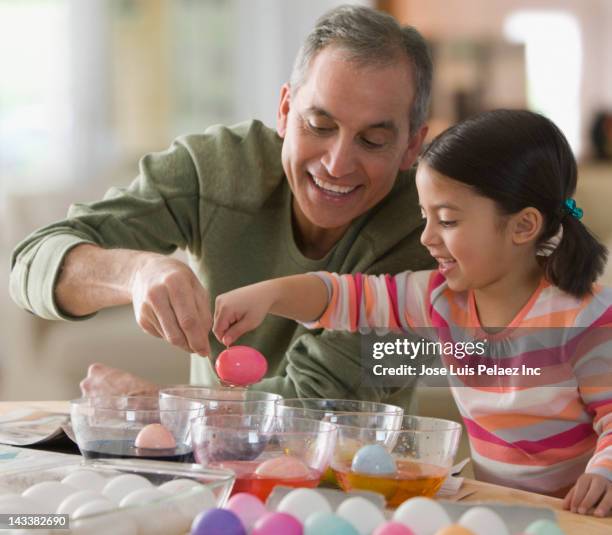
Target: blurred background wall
89	86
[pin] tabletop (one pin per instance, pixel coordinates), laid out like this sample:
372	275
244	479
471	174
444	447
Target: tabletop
475	491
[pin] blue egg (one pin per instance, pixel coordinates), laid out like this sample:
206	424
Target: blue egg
217	522
543	527
373	459
328	524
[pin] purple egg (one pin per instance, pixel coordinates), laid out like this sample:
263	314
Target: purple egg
217	522
392	528
247	507
278	524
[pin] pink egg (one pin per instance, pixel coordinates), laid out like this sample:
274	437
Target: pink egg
392	528
278	524
285	467
155	436
241	365
247	507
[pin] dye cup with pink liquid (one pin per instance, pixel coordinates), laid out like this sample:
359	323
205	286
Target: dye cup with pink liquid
264	451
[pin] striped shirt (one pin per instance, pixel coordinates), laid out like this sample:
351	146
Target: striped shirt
538	434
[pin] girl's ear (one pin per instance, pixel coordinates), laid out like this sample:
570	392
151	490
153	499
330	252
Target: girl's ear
526	225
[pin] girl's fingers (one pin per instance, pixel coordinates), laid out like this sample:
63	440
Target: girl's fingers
596	489
605	505
568	498
580	489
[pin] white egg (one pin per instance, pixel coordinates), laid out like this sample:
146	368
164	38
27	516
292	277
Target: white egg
75	500
361	513
483	521
161	519
142	496
303	502
122	524
120	486
178	485
85	480
15	503
422	515
101	505
192	504
48	494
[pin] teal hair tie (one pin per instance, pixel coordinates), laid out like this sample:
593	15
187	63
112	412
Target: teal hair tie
571	208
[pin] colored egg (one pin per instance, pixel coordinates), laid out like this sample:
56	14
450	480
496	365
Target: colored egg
303	502
278	524
393	528
361	513
85	480
373	459
177	486
49	494
543	527
70	504
101	505
241	365
456	529
482	521
142	496
328	524
248	508
120	486
217	522
155	436
422	515
285	467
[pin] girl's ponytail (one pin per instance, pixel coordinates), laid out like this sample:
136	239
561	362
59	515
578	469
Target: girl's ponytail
579	258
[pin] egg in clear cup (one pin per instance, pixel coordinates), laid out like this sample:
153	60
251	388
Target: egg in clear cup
134	426
264	451
413	460
343	412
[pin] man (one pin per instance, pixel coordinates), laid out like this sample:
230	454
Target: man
330	190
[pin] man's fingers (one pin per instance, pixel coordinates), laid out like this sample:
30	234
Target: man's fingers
167	319
201	344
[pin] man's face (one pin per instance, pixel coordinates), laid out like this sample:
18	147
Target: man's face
346	135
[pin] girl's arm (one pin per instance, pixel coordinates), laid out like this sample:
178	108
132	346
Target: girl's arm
300	297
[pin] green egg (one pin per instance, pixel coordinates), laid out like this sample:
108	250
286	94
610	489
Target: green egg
543	527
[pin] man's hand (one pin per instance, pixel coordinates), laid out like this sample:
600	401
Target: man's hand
240	311
170	303
591	490
103	380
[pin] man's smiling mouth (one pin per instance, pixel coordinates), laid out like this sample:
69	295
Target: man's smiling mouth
331	188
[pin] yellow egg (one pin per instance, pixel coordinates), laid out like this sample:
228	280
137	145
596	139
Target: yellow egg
454	529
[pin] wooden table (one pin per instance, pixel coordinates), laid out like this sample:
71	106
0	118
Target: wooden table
572	524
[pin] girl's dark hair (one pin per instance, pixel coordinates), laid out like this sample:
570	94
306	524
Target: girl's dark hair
518	159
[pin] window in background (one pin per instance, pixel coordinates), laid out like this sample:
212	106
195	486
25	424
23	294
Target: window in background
35	113
553	58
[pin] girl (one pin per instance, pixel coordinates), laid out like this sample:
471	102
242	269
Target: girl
496	194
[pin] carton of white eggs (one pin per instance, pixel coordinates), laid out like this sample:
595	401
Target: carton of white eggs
134	496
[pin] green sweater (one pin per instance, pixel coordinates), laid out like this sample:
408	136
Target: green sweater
224	198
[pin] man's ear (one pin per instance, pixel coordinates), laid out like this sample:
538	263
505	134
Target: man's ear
283	110
526	225
413	149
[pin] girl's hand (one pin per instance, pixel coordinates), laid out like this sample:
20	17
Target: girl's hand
591	490
241	311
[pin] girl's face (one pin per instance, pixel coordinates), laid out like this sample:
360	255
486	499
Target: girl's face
464	232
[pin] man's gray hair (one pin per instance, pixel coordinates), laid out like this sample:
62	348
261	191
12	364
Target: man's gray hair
370	38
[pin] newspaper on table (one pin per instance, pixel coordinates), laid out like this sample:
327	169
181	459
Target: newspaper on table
30	426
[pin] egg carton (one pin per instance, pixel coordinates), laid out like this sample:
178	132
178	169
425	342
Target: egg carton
170	514
516	517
